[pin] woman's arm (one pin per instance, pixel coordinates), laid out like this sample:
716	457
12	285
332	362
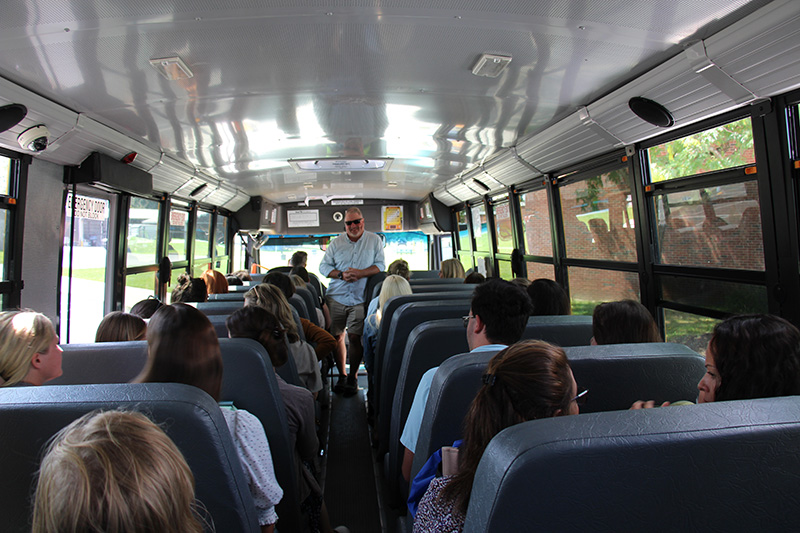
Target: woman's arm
323	342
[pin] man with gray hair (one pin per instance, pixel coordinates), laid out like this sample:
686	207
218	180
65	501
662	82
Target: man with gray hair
350	259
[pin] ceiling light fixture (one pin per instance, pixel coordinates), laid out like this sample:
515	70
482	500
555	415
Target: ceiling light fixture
172	68
339	165
490	65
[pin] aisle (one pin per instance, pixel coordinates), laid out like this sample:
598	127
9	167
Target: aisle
350	491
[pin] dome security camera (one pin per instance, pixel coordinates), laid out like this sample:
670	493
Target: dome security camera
34	139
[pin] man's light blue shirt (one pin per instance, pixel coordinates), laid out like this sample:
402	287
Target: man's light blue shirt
342	253
414	421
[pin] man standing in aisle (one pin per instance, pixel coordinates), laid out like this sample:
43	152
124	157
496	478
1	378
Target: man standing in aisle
350	259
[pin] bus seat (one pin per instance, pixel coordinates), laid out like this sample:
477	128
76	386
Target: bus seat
220	307
387	366
443	287
424	274
239	288
376	291
372	283
436	281
725	466
616	375
296	316
257	278
392	305
311	306
562	330
30	416
283	269
101	362
218	321
314	280
237	296
300	306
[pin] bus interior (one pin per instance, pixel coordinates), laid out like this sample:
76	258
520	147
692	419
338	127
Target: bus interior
642	150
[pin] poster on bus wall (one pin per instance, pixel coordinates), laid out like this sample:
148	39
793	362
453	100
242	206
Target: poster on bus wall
392	217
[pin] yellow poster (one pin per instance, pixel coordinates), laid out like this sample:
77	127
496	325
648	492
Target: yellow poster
392	216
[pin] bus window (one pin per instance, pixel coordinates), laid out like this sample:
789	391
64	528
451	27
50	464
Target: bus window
726	146
409	245
589	287
598	217
142	232
686	328
446	243
536	228
178	232
221	244
540	270
714	294
202	242
463	231
504	232
712	226
480	229
5	176
85	250
138	287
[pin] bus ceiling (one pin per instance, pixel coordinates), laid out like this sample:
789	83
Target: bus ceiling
308	104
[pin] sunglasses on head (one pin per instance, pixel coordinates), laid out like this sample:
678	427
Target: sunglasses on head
356	221
580	399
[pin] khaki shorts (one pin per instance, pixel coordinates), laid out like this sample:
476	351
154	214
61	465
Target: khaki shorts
346	316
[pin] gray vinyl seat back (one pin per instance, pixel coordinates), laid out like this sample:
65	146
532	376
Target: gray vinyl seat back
424	274
237	296
311	304
429	344
373	287
725	466
257	278
404	320
219	323
314	280
248	380
219	307
616	375
300	306
300	332
239	288
562	330
388	313
436	280
30	416
443	287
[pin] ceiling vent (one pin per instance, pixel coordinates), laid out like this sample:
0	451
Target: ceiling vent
491	65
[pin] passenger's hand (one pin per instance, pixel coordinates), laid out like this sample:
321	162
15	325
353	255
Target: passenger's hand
649	404
351	274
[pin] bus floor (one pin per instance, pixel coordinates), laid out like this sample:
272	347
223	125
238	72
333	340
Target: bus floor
353	478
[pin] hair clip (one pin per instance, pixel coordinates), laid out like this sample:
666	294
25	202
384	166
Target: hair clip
489	379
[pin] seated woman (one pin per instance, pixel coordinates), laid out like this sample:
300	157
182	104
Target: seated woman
625	321
526	381
452	268
117	326
189	290
29	351
393	285
749	356
216	282
399	267
145	308
114	471
474	278
548	298
182	347
262	326
271	298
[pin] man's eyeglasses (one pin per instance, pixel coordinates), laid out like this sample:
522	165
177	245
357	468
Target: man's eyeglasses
356	221
580	398
466	319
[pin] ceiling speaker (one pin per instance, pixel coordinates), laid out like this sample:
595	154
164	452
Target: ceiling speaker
650	111
11	115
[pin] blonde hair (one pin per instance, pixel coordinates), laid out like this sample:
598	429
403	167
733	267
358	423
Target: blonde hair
118	326
452	268
271	298
23	334
399	267
392	286
298	281
114	472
